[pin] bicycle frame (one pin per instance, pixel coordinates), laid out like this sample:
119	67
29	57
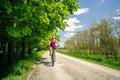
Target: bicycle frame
53	57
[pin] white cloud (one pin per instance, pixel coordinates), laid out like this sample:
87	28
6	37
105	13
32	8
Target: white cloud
118	10
102	1
81	11
72	24
72	20
69	34
116	18
73	27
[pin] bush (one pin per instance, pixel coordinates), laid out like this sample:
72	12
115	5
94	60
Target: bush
96	59
19	69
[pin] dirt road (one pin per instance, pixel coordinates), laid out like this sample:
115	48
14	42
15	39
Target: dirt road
67	68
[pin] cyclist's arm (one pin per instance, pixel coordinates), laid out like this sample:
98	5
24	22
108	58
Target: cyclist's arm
57	42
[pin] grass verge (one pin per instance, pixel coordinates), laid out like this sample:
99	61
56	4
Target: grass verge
95	59
20	69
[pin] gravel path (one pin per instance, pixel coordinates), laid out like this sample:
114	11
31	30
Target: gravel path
68	68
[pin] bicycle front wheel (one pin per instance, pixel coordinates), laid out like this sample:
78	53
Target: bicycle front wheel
53	58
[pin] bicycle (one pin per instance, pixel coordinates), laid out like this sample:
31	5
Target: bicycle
53	57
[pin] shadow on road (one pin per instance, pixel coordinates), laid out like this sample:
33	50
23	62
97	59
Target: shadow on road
44	62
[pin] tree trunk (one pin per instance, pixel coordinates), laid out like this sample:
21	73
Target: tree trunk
23	49
115	56
119	42
29	50
4	47
10	52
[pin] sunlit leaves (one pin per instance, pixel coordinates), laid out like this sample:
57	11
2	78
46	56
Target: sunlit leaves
18	32
26	31
35	19
13	32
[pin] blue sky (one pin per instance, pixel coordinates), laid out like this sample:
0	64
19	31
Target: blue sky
89	10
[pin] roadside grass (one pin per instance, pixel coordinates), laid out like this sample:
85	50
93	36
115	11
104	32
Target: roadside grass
95	59
20	69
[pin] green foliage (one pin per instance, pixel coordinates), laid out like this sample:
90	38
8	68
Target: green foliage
94	58
36	17
98	39
30	24
20	69
13	32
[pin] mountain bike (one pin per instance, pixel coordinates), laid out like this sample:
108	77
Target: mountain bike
53	57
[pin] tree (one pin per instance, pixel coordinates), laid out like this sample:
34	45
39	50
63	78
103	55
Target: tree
98	39
32	20
116	23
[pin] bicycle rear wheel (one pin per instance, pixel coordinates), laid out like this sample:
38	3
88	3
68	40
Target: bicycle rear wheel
53	58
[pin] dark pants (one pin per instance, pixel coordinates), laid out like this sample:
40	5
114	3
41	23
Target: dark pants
53	47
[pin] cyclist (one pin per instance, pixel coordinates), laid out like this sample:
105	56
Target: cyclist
53	43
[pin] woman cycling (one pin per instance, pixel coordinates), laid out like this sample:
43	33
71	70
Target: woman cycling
53	43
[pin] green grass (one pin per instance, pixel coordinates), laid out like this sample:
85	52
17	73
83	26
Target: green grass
20	69
95	59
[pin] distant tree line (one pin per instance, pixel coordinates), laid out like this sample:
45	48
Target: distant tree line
100	39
